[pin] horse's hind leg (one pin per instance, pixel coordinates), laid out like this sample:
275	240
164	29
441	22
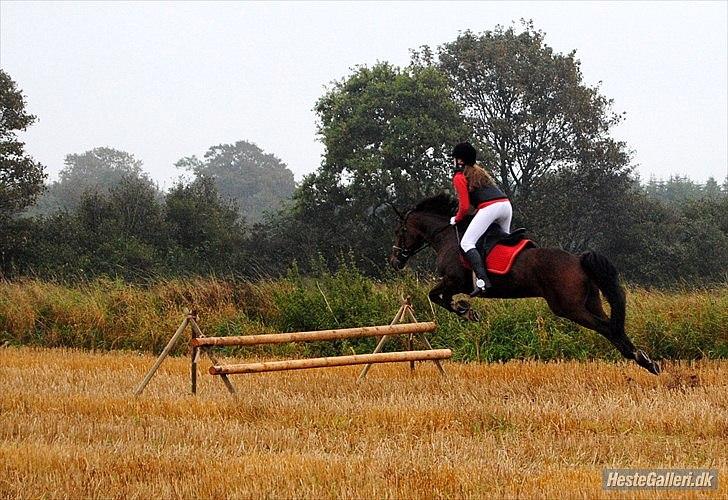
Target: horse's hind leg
587	315
595	318
617	335
619	340
593	302
600	325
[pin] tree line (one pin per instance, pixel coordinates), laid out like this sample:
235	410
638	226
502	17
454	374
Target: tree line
387	130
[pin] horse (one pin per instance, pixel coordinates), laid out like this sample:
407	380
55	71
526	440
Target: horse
571	284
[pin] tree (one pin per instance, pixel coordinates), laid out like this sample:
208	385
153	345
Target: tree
138	211
206	227
583	207
98	170
118	233
257	182
679	190
21	177
388	132
121	232
529	108
712	190
128	232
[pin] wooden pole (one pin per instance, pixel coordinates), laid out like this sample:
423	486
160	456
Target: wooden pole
344	333
427	343
225	379
357	359
165	352
410	346
193	359
382	341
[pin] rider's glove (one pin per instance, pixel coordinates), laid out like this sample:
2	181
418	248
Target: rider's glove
453	221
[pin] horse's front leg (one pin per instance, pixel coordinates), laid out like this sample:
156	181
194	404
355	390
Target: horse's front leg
442	295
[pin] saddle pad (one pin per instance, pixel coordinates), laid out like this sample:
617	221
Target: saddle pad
501	257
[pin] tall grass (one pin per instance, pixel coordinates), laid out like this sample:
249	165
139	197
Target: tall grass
111	314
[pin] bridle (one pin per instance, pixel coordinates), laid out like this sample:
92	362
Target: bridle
406	253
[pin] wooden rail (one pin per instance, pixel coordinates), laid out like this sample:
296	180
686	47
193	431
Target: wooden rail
356	359
343	333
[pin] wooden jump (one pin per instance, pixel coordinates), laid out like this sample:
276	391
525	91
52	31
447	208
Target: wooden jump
343	333
356	359
200	344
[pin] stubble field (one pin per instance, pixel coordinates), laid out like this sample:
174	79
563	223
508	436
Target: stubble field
70	428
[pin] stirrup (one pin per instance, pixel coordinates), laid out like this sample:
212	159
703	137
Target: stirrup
480	289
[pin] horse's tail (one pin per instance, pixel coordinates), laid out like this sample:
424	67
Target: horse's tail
606	277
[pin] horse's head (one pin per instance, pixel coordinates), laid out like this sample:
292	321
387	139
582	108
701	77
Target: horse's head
419	227
408	240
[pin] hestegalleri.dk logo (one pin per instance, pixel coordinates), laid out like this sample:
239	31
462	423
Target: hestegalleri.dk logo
661	479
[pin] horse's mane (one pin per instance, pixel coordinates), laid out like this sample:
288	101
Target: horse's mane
440	204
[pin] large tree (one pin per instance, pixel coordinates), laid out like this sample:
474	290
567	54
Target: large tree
256	181
21	177
121	232
387	132
529	108
583	207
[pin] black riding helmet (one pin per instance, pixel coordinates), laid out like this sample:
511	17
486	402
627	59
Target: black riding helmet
466	152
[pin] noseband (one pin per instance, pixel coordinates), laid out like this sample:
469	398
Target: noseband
406	254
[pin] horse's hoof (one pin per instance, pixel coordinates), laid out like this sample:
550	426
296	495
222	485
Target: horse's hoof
465	311
645	362
462	307
656	368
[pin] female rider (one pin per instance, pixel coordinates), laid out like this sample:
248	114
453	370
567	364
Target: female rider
478	192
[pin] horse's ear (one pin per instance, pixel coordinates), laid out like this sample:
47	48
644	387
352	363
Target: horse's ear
401	217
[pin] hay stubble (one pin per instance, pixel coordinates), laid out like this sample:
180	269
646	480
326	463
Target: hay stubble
71	428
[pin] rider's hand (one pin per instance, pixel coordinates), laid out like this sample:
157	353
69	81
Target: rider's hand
453	221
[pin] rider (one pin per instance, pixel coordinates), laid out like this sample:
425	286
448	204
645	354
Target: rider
477	191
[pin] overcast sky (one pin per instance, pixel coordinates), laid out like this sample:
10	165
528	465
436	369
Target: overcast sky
167	80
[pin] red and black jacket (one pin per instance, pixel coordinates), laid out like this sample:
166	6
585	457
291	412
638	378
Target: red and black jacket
477	198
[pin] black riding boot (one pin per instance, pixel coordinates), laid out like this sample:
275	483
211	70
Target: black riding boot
476	262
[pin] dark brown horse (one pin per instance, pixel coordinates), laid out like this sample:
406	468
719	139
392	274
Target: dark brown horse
571	284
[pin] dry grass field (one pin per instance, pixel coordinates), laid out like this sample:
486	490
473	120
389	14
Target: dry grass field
70	428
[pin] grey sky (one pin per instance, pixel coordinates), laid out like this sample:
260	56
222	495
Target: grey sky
167	80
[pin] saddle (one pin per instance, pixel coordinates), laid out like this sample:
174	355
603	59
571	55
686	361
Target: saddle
496	236
498	249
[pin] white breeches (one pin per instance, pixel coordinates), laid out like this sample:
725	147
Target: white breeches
500	212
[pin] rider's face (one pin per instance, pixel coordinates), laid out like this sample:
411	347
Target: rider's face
457	162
